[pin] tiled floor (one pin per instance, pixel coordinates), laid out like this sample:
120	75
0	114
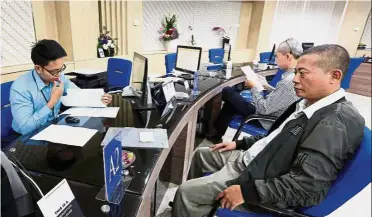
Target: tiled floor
362	103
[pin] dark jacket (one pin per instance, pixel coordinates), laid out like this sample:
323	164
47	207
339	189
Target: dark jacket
297	167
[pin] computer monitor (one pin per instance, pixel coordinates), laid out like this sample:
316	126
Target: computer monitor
307	45
272	55
139	76
188	59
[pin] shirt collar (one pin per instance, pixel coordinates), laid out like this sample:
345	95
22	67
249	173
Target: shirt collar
328	100
39	83
285	74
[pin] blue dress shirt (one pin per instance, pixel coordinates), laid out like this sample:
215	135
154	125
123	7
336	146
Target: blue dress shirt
29	108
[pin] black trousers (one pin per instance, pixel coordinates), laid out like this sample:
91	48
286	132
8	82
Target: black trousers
234	105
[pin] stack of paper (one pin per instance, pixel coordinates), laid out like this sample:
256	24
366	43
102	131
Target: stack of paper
83	98
108	112
165	80
88	71
77	136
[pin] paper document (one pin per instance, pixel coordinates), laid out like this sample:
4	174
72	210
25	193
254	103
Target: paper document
88	71
83	98
146	136
256	78
138	137
249	73
108	112
205	65
62	134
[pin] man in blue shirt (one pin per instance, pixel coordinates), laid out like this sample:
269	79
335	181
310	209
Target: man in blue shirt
35	97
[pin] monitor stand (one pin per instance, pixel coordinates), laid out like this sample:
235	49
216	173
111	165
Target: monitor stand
137	105
147	103
186	76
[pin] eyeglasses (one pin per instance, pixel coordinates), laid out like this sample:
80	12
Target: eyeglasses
290	49
56	72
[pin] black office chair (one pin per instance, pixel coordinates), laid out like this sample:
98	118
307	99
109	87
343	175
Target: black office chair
28	207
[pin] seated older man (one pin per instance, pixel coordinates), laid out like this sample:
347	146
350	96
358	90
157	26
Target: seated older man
274	104
295	164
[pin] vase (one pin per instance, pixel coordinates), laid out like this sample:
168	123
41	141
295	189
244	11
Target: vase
171	46
165	45
112	52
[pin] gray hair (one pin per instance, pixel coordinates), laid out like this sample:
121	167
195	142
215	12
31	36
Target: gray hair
291	46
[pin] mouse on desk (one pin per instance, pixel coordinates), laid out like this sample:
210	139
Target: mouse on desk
72	120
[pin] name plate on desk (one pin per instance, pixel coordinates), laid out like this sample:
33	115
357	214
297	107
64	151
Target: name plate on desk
112	162
60	202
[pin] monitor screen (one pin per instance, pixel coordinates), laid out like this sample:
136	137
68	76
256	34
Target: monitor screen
272	55
307	45
188	58
138	71
139	74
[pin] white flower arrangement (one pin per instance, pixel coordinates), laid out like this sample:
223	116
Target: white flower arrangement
106	42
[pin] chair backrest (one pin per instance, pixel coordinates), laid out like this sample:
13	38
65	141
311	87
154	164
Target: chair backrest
216	55
355	176
5	92
6	113
353	65
170	62
118	72
6	121
277	78
265	56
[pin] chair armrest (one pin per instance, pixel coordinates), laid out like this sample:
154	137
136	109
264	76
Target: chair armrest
280	211
251	118
260	117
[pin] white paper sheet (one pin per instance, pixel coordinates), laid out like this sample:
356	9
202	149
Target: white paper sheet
108	112
88	71
250	74
257	79
165	80
83	98
146	136
62	134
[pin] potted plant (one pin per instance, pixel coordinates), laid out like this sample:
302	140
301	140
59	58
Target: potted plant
168	31
106	44
192	41
225	35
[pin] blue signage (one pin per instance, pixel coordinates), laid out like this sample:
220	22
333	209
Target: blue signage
112	162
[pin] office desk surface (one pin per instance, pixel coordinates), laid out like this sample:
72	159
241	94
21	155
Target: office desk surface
84	166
